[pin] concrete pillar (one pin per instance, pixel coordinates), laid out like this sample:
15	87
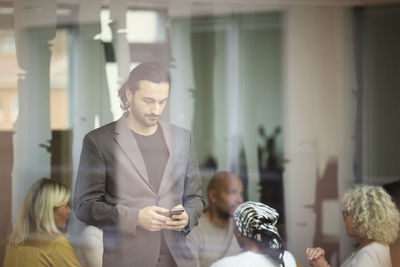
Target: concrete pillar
35	26
319	124
232	93
120	42
89	96
181	101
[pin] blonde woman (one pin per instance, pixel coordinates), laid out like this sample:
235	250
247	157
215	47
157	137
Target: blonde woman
37	239
372	219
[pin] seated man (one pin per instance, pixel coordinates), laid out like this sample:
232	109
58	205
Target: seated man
213	238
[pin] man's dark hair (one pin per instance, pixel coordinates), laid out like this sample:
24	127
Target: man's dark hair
151	71
216	181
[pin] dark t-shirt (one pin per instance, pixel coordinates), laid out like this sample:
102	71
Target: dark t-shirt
155	155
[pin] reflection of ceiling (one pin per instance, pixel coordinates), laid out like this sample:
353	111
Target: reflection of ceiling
67	9
67	12
200	7
165	3
217	7
210	6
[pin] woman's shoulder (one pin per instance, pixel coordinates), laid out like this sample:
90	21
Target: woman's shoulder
54	246
289	259
22	255
38	250
44	242
249	258
374	248
63	252
374	254
61	242
232	260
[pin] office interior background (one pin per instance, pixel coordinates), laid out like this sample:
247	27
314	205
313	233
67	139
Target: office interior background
299	98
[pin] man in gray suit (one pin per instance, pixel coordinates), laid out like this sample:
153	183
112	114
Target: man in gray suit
133	171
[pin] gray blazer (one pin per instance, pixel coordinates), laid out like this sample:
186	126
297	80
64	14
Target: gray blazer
113	184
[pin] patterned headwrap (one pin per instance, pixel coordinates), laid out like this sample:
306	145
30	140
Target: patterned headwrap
257	222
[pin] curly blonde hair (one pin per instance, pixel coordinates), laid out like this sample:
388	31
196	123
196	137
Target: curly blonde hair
374	215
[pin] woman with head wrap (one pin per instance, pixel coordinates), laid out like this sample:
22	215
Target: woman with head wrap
372	219
38	238
257	234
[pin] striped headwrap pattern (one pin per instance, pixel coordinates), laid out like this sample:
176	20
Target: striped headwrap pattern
257	221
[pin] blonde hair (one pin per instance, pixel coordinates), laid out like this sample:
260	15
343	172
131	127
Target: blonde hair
374	215
37	212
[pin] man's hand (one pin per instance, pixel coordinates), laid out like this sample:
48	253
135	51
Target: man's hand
178	222
149	219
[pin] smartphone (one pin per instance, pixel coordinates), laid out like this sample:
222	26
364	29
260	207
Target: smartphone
171	212
177	211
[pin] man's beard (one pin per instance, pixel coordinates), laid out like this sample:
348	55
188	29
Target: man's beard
153	119
145	119
223	214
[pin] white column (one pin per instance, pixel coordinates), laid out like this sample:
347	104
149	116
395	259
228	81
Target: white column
34	27
120	42
235	135
84	66
318	117
89	97
347	116
181	100
232	91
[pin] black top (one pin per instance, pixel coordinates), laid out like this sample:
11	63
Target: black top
155	155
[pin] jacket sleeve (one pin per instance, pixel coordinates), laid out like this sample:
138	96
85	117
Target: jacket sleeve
90	203
192	195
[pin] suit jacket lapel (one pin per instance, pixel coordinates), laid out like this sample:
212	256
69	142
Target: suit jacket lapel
171	146
127	142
